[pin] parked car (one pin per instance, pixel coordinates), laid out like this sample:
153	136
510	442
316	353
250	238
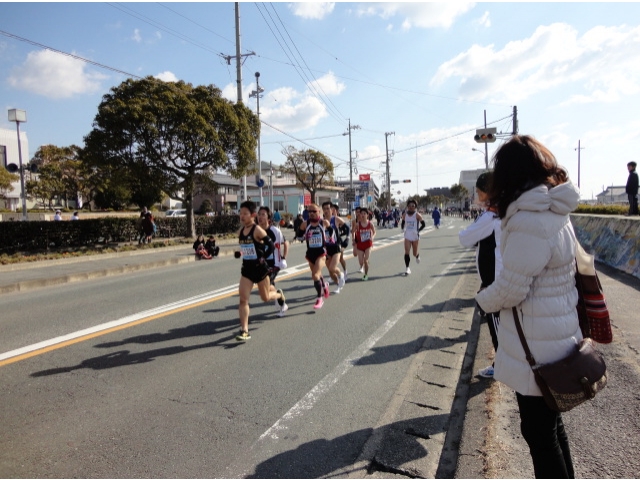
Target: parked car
176	213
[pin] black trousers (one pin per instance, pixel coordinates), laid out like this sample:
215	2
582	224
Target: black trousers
543	430
633	204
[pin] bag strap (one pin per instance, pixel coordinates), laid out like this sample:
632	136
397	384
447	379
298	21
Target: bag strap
523	340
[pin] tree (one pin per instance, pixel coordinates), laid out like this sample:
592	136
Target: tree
6	179
459	192
311	168
61	174
174	135
383	202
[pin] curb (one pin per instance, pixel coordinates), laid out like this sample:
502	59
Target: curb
83	276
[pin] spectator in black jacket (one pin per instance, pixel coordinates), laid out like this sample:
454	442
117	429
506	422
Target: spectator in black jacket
632	188
211	247
201	250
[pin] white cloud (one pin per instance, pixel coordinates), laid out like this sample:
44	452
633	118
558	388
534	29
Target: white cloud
136	37
417	14
54	76
288	109
312	10
167	76
603	64
484	21
328	85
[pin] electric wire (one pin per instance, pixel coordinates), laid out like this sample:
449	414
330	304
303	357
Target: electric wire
298	68
305	63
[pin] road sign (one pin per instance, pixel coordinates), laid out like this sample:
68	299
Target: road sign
364	177
393	182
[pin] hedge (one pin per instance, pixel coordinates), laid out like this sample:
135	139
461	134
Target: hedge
37	236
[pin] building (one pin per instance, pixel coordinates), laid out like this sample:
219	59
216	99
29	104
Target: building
366	192
468	180
612	196
9	154
280	192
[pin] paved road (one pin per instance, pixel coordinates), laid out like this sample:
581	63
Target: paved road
136	374
149	381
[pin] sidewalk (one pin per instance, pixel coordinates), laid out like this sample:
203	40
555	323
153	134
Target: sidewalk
21	277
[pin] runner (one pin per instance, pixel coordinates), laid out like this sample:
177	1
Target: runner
276	260
333	246
255	247
363	239
344	243
354	223
409	224
315	236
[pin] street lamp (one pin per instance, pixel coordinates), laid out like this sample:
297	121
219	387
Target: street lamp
256	93
18	116
484	154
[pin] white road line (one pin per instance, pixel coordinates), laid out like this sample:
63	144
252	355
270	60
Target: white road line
310	399
204	297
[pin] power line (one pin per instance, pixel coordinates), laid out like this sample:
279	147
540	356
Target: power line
77	57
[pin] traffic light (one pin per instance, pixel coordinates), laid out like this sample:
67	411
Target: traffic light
406	181
485	135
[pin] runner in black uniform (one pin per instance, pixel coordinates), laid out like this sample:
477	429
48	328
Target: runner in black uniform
277	259
344	231
255	247
313	231
333	245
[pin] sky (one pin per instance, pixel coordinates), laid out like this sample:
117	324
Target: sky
417	79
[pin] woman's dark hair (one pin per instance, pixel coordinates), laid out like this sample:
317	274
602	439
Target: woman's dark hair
520	165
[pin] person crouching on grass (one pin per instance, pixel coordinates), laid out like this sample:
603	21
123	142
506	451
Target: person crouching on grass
255	247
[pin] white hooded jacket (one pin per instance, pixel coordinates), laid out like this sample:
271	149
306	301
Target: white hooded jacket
538	268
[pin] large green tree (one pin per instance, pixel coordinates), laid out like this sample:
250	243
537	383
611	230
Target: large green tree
312	169
61	174
177	133
459	192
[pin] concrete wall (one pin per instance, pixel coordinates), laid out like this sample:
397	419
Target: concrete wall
614	240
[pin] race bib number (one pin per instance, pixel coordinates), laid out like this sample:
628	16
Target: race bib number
411	224
315	241
365	235
248	251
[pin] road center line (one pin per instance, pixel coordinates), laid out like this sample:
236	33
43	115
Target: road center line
142	317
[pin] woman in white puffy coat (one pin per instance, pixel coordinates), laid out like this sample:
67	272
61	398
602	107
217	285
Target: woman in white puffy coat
534	197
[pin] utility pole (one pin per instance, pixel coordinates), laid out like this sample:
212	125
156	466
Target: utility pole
578	149
417	188
238	58
351	127
486	146
256	93
515	120
386	142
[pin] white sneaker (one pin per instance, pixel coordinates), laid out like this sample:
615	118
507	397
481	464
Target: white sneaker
341	281
361	269
418	259
408	271
283	309
337	290
486	372
345	275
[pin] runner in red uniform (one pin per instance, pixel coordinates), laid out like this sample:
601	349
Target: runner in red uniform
364	234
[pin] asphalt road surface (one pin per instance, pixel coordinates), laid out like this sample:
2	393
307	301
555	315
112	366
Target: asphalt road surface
140	375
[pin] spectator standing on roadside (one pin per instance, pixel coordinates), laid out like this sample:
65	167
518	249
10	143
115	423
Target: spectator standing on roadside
276	218
632	188
484	234
534	197
148	227
57	217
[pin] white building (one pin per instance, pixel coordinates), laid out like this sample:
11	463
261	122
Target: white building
468	180
9	154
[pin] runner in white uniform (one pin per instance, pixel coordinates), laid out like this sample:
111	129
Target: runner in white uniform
410	220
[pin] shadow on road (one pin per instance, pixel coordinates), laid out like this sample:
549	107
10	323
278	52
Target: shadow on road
323	458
